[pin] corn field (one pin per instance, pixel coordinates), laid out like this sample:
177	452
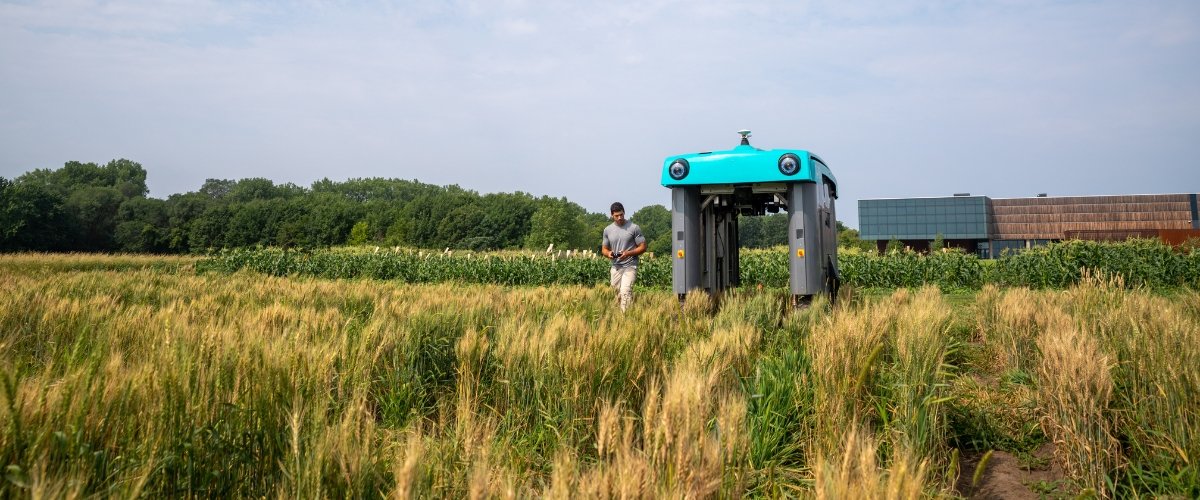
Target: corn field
156	380
1144	263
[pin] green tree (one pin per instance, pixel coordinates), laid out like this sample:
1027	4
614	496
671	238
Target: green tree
850	238
506	218
128	177
463	228
250	224
379	216
91	196
763	231
95	211
182	211
380	202
246	190
217	189
208	230
328	217
594	224
303	222
142	226
32	217
358	233
655	221
557	222
419	220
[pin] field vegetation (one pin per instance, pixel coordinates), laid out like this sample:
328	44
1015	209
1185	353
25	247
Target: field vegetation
1145	263
131	377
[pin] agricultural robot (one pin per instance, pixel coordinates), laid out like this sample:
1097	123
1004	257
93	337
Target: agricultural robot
710	190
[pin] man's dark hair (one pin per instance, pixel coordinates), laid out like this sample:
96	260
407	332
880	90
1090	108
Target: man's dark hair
616	207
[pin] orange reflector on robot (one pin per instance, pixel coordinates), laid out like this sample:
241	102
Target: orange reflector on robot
679	253
799	252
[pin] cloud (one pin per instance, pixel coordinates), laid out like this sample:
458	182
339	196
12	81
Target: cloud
584	99
516	27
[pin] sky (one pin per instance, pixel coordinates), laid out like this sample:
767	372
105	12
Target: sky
901	98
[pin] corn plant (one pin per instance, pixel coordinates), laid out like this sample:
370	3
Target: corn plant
1060	265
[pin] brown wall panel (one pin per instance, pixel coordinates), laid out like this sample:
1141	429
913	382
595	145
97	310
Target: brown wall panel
1015	231
1178	236
1082	200
1094	217
1093	208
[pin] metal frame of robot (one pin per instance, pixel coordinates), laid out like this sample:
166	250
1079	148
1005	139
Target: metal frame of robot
710	189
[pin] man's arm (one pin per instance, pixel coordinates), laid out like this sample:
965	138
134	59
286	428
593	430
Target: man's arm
638	250
641	243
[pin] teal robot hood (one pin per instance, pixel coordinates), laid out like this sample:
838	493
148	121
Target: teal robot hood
745	164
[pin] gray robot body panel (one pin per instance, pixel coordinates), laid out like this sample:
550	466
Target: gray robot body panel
686	269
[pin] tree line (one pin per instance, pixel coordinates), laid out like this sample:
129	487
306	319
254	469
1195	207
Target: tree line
88	207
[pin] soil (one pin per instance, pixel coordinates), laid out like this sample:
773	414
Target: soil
1007	477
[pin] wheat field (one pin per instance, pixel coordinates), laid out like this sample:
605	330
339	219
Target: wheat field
140	377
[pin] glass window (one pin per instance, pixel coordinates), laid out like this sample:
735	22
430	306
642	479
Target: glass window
1000	246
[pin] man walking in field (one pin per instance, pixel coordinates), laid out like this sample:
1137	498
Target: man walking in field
623	243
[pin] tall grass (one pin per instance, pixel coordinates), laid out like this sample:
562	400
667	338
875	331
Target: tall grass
1154	345
919	373
880	381
57	263
143	382
1075	392
857	473
845	352
1115	376
1009	328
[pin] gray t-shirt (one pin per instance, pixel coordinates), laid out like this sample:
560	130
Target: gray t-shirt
622	239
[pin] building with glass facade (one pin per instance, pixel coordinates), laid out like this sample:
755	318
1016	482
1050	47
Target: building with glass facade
988	227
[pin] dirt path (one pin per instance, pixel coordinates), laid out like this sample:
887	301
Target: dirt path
1006	477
